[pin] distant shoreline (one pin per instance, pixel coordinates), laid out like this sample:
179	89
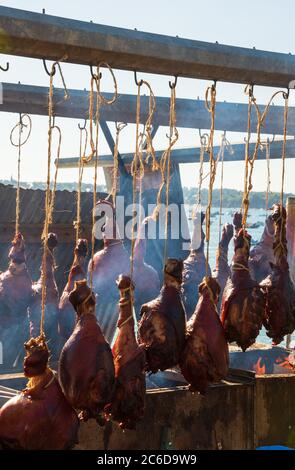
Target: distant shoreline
231	197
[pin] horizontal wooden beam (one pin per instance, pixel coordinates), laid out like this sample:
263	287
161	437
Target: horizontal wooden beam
190	113
24	33
192	155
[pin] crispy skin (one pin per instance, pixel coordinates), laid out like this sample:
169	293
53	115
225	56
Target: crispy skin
41	421
86	369
262	254
128	403
278	287
67	314
162	329
222	271
205	356
242	308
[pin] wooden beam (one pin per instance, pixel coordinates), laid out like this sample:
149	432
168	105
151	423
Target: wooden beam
28	34
192	155
190	113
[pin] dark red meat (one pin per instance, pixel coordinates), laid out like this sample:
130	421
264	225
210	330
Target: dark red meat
39	418
242	308
262	254
162	325
222	271
67	314
194	268
15	298
145	277
278	287
86	367
205	357
127	406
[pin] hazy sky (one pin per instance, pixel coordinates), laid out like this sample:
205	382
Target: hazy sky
265	24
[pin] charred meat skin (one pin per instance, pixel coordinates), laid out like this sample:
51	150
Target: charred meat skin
128	403
242	308
145	277
205	357
278	287
67	314
162	325
39	418
222	271
262	254
194	269
15	298
86	367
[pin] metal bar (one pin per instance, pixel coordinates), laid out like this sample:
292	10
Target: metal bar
28	34
190	113
192	155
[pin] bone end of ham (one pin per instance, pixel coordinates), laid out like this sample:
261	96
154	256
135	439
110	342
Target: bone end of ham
205	357
161	328
86	367
127	406
39	418
67	314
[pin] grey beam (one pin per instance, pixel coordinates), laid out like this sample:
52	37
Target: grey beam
190	113
28	34
192	155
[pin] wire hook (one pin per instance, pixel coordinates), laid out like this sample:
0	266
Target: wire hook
138	83
53	70
82	128
173	85
93	75
5	69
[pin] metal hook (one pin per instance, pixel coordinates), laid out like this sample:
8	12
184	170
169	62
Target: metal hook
286	94
135	79
173	85
53	70
5	69
93	75
82	128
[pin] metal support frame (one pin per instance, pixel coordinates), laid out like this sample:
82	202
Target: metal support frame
192	155
190	113
36	35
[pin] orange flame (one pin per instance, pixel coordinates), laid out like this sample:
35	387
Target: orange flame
258	368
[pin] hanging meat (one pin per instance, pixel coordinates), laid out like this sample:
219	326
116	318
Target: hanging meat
67	314
242	308
108	264
86	367
222	271
194	267
237	222
162	325
39	418
145	277
128	403
205	357
51	298
278	287
15	297
261	254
